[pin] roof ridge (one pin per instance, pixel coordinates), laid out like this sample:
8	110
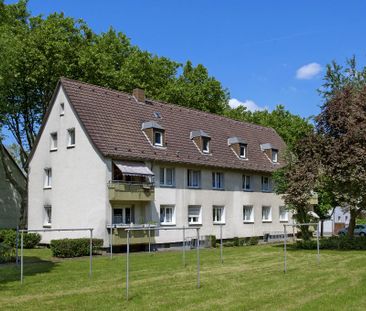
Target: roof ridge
170	104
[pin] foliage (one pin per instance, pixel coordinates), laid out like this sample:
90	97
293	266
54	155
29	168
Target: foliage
7	253
290	127
336	243
30	240
37	51
66	248
213	240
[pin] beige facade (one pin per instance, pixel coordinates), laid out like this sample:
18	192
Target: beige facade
79	193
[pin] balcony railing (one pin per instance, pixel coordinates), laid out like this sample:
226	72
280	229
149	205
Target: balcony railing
130	191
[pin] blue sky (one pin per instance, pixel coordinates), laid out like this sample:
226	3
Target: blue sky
255	48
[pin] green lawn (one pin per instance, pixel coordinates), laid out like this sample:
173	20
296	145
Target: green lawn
251	278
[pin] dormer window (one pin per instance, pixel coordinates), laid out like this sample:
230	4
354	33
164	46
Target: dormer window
205	145
158	138
202	141
271	152
154	132
239	147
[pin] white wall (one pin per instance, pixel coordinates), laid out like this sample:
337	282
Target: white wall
232	198
79	196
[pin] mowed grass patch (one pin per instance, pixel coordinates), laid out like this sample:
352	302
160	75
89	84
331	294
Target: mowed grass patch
251	278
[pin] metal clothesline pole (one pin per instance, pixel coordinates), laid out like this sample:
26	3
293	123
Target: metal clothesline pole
21	258
184	246
128	230
91	253
221	246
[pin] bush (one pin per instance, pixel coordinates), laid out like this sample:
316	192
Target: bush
6	253
253	240
213	240
228	244
67	248
336	242
8	237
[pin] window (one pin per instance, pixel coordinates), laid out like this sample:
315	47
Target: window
71	138
274	155
194	214
218	214
167	216
248	215
122	215
47	216
194	179
47	178
265	183
205	145
217	180
266	214
246	182
158	138
167	177
53	141
243	151
283	213
62	109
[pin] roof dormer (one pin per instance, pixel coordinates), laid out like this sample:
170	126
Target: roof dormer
239	146
202	140
270	152
155	133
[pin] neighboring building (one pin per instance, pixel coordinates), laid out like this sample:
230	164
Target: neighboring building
104	156
10	200
339	219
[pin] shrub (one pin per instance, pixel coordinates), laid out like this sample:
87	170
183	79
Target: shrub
67	248
9	236
213	240
337	243
6	253
253	240
236	241
228	244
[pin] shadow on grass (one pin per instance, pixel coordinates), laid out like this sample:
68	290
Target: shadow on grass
32	265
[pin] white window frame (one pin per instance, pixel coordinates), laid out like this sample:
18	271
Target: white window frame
244	181
70	143
280	209
161	134
274	155
166	207
251	219
199	220
47	221
218	180
190	175
123	216
268	184
269	219
163	176
62	109
215	208
244	148
205	141
47	184
54	141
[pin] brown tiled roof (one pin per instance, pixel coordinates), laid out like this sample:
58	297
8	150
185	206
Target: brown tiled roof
113	121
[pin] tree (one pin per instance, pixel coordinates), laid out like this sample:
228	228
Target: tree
289	126
37	51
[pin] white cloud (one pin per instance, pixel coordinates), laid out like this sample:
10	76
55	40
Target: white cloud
308	71
251	105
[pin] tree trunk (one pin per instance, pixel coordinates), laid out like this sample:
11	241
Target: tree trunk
354	212
302	217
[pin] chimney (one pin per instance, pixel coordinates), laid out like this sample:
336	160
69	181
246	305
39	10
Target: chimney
139	95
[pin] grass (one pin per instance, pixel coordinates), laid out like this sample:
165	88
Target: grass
251	278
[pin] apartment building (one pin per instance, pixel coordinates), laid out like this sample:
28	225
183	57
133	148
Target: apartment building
110	160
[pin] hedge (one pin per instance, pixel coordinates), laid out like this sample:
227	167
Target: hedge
67	248
336	243
6	253
8	237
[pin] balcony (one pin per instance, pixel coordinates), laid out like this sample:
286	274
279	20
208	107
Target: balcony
130	191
